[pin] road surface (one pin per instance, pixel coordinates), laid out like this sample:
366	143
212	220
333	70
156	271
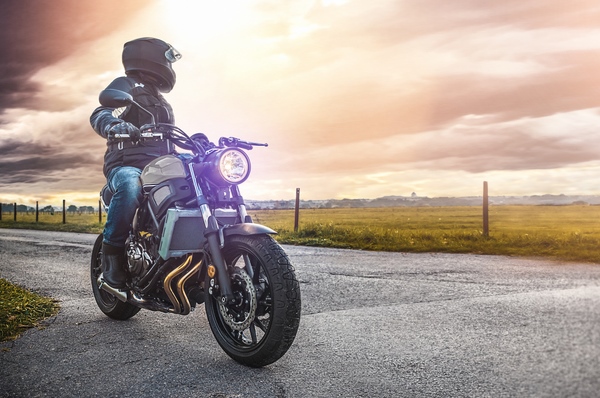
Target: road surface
373	324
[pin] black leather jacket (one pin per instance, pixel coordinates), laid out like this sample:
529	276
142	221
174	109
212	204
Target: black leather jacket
130	154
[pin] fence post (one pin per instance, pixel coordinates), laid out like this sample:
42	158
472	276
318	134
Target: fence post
0	211
99	211
37	211
64	212
15	212
486	225
297	210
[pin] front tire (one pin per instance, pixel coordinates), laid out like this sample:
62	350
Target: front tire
261	326
107	303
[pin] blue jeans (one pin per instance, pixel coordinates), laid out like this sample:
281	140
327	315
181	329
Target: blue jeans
124	182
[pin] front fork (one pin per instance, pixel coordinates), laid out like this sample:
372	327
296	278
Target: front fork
212	233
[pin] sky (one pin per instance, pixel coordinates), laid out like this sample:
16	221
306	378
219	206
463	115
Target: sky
356	98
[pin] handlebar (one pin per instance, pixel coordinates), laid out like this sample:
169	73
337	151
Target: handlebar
142	135
236	142
175	134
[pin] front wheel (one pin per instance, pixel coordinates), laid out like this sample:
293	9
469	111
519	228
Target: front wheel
107	303
261	325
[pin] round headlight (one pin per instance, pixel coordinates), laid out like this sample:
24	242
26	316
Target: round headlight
234	166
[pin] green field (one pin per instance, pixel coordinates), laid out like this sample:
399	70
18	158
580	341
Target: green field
560	232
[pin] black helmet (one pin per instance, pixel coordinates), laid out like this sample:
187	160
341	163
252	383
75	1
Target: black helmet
153	58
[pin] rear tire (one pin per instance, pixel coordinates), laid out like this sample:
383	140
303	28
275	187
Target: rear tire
261	326
107	303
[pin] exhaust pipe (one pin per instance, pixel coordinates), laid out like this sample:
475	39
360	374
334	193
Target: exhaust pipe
121	295
179	299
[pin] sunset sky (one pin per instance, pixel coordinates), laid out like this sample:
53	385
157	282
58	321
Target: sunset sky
356	98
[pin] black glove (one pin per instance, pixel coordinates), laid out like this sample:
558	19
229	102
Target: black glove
125	128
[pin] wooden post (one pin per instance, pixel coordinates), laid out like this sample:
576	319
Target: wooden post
64	212
37	211
0	211
297	210
100	212
15	212
486	225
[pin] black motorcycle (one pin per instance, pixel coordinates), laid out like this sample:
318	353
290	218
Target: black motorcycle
192	241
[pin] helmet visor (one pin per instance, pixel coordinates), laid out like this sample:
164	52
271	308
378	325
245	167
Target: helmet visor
172	55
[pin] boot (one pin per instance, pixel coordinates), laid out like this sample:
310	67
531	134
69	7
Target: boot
113	266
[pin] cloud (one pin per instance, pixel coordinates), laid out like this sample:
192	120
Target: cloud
36	34
355	98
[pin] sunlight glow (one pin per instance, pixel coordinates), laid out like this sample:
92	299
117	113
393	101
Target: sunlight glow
204	20
327	3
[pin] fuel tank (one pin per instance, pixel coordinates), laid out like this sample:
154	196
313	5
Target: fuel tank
164	181
162	169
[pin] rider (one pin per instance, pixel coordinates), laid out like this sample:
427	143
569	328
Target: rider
149	72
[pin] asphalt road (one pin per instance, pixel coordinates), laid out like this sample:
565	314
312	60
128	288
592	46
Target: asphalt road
373	324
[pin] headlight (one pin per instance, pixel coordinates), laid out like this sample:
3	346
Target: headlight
233	166
225	166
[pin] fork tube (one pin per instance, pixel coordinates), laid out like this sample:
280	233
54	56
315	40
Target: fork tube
240	204
211	231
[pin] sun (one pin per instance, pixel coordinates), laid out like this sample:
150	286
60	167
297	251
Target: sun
192	20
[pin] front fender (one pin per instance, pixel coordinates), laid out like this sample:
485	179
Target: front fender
247	229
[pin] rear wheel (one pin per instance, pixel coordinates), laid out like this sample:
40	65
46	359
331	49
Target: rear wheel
107	303
260	327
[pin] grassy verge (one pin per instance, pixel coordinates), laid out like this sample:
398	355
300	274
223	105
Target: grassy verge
560	232
85	223
21	309
569	233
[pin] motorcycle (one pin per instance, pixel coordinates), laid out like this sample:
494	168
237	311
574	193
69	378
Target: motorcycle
192	242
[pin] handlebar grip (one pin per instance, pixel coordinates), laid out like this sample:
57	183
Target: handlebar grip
142	135
257	144
244	145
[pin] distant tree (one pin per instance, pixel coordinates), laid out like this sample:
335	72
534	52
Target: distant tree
23	209
48	209
580	203
72	209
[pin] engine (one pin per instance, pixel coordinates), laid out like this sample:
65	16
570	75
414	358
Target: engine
139	257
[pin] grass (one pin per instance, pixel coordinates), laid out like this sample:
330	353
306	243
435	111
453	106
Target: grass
21	309
85	223
560	232
570	233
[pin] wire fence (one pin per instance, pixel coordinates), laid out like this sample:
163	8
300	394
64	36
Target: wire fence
14	211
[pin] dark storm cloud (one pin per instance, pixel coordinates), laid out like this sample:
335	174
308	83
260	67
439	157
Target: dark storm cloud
12	149
30	162
37	168
38	33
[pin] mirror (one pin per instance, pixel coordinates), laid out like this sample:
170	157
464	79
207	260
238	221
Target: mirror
113	98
